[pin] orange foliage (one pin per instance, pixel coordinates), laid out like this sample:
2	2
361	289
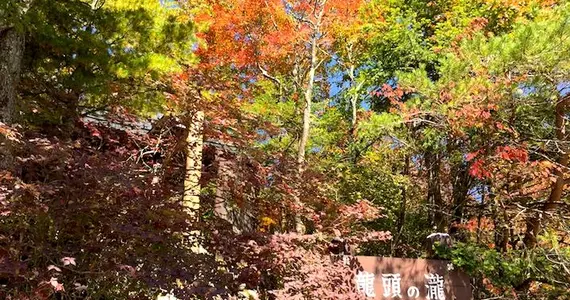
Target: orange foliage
245	34
473	224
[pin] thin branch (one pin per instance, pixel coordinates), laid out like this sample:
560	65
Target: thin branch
268	76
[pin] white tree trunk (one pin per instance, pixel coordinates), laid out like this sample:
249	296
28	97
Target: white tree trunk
194	144
193	172
307	106
316	35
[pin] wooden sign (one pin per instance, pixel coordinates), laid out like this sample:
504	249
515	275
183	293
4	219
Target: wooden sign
403	278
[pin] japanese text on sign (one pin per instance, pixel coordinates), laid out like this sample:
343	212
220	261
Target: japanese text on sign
391	284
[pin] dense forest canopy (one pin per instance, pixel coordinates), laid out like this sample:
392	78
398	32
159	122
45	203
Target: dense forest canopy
212	149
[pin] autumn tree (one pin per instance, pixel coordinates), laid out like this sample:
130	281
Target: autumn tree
491	93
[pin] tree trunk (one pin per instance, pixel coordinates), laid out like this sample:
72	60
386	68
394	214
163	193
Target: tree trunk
353	103
504	230
434	198
402	210
194	144
11	53
307	107
533	224
193	172
480	214
461	184
353	97
223	173
299	226
316	35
